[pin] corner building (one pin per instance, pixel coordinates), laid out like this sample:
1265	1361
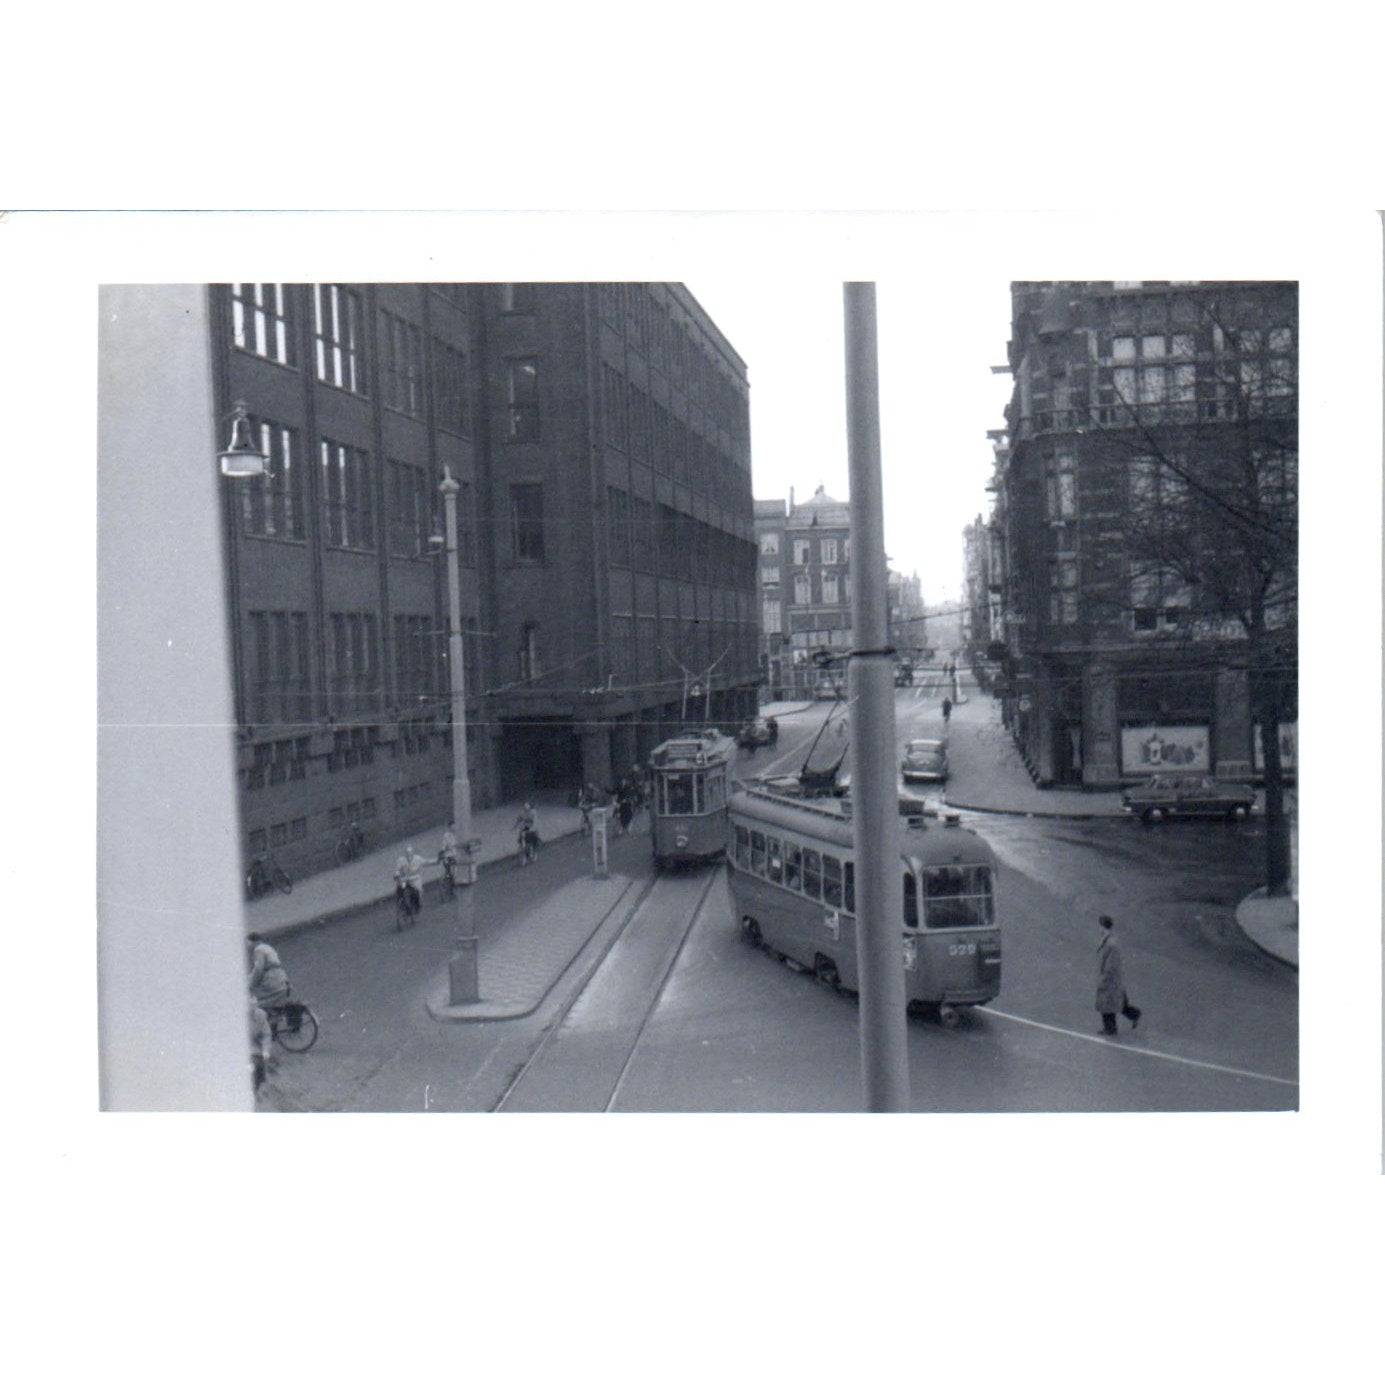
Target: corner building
1114	666
600	437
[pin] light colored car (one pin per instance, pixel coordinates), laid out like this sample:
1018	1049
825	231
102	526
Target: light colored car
1187	795
925	760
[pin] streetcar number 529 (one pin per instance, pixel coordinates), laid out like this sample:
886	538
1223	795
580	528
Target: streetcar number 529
961	949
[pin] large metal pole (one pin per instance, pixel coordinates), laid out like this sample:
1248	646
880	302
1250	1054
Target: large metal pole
875	813
464	981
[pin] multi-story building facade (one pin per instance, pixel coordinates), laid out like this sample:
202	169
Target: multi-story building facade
1144	526
805	584
600	437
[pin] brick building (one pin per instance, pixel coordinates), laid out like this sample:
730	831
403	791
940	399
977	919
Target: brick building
1150	446
805	582
600	436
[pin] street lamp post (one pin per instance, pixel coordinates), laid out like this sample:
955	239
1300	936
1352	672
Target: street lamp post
464	982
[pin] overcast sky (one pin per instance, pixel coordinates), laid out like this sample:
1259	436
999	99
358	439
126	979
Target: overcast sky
938	338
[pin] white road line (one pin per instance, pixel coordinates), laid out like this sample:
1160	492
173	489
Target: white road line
1147	1052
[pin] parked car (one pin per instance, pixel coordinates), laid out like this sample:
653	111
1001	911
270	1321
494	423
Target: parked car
755	733
925	760
1187	795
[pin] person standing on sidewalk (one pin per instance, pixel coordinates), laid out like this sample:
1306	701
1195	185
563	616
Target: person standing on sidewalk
1110	985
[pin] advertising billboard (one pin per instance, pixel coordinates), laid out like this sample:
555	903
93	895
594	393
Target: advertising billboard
1152	749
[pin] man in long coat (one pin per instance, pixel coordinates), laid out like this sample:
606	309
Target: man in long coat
1110	985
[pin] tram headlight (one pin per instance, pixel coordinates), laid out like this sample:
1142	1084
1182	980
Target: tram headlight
681	840
911	953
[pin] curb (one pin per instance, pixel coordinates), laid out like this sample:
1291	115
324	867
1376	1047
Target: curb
1036	813
1265	947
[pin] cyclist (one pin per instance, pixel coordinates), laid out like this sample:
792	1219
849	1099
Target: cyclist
408	876
269	982
527	825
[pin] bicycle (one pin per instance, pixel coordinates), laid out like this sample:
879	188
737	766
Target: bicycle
265	874
528	846
449	873
407	905
351	845
292	1025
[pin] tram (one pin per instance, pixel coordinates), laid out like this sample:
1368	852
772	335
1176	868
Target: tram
689	785
792	865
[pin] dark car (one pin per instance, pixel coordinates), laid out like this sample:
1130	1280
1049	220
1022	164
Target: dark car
1187	795
755	733
925	760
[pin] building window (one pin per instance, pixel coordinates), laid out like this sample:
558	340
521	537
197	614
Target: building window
352	663
516	298
801	550
277	667
618	525
1060	486
1156	490
260	321
401	365
614	407
348	517
1159	598
802	590
416	642
410	511
1063	590
526	523
769	545
523	399
529	653
339	339
450	400
829	550
773	618
770	576
829	589
271	505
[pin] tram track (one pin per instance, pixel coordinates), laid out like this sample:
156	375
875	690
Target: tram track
582	1060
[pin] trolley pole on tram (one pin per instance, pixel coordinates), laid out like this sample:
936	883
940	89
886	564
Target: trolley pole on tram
875	814
463	978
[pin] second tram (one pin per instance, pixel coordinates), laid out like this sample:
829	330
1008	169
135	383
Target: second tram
792	871
690	781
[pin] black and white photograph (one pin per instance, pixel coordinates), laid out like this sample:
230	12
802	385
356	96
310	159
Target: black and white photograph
561	667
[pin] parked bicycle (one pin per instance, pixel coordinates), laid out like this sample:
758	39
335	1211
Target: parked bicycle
351	845
265	874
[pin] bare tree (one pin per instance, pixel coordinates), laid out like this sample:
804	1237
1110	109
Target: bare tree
1211	524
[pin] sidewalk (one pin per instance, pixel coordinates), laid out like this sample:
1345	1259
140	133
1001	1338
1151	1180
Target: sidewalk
370	879
985	772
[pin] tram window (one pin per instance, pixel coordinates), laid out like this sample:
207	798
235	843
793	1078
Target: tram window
775	854
714	795
812	874
958	897
793	866
831	881
911	900
742	847
850	904
678	794
757	852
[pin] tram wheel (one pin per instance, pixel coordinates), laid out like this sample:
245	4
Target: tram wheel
752	932
948	1015
825	969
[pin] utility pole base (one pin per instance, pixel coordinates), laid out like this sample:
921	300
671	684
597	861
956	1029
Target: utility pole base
463	987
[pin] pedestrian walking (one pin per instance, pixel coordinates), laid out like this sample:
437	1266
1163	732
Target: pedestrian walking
947	710
1111	994
625	806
